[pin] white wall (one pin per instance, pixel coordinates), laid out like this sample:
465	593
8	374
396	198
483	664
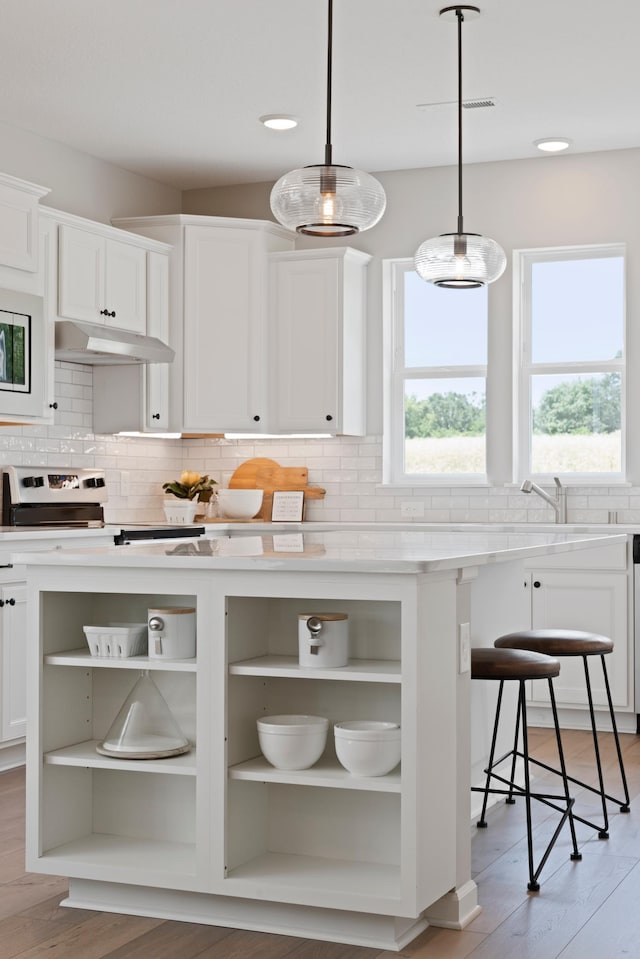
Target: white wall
80	183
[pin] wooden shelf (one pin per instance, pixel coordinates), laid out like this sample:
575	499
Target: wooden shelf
84	754
82	657
288	877
122	854
358	670
325	773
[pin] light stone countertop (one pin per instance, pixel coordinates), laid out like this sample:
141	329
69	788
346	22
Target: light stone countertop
348	549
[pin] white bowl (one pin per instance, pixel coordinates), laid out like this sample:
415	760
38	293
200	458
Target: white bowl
240	503
367	747
292	742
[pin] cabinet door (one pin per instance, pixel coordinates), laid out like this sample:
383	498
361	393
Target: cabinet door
81	258
18	228
13	658
593	601
126	286
305	311
224	349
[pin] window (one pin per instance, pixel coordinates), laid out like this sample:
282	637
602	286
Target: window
438	380
570	344
563	384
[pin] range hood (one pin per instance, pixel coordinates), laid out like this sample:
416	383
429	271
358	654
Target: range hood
102	345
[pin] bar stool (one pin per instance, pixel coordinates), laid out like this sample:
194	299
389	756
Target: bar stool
575	642
521	665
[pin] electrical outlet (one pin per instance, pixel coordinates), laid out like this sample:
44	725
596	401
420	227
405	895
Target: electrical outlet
464	648
412	508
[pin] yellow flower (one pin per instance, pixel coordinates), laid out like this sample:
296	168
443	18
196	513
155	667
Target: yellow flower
188	478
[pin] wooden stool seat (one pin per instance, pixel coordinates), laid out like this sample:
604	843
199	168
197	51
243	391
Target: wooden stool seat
512	664
557	642
582	644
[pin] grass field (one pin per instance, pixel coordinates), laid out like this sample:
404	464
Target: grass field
596	453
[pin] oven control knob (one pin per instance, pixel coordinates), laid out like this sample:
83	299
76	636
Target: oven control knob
33	481
95	482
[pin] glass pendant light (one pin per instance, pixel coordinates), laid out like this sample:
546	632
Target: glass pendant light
327	199
460	260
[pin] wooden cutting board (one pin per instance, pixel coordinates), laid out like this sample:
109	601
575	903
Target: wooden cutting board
265	474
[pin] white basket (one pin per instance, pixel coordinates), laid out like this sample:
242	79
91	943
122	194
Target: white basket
179	512
117	640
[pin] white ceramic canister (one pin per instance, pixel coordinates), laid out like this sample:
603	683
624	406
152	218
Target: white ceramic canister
323	640
172	632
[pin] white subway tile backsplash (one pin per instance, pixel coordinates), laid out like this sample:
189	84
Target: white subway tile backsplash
348	468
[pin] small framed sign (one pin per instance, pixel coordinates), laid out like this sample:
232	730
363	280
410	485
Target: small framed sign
287	506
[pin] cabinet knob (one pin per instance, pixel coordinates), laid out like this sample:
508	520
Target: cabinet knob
11	602
155	416
328	417
537	584
107	313
256	419
53	406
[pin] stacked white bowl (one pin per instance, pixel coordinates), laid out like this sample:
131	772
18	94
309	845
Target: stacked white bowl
294	741
368	747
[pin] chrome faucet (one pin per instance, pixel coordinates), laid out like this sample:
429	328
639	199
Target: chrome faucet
559	502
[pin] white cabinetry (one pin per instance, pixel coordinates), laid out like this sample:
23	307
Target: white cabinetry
317	851
219	313
135	397
13	599
18	225
587	590
102	277
317	307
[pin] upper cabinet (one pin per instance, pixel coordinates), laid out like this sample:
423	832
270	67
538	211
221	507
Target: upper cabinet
102	278
19	244
269	339
218	318
317	326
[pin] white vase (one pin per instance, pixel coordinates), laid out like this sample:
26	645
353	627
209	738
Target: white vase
180	512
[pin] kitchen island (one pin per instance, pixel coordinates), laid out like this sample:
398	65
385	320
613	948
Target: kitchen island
218	835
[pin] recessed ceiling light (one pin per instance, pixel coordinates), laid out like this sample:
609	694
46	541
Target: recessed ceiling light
279	121
552	144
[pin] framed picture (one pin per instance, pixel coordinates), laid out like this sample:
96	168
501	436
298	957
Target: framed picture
15	352
287	506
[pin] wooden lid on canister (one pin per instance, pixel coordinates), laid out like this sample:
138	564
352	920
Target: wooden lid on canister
172	610
325	617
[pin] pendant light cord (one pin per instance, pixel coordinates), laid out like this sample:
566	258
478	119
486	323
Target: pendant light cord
460	18
327	146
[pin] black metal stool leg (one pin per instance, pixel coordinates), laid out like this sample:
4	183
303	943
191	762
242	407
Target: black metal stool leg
624	806
576	855
604	832
533	885
482	823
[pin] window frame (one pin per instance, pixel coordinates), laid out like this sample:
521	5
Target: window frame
523	368
396	373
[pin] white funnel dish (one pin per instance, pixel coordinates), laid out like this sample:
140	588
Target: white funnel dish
144	727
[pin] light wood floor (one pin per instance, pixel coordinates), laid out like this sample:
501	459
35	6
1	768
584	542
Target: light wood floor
584	910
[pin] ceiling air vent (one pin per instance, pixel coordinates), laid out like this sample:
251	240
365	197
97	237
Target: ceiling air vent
478	103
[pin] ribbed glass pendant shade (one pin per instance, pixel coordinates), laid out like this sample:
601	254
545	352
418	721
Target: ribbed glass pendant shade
323	200
460	260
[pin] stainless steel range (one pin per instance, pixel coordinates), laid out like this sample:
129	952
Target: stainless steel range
53	496
69	498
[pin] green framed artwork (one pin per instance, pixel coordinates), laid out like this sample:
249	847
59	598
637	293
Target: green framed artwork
15	352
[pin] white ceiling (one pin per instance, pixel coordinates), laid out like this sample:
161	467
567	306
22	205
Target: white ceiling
173	89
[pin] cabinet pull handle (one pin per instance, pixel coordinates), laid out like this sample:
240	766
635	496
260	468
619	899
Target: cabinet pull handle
155	416
256	419
53	406
328	417
537	584
107	313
